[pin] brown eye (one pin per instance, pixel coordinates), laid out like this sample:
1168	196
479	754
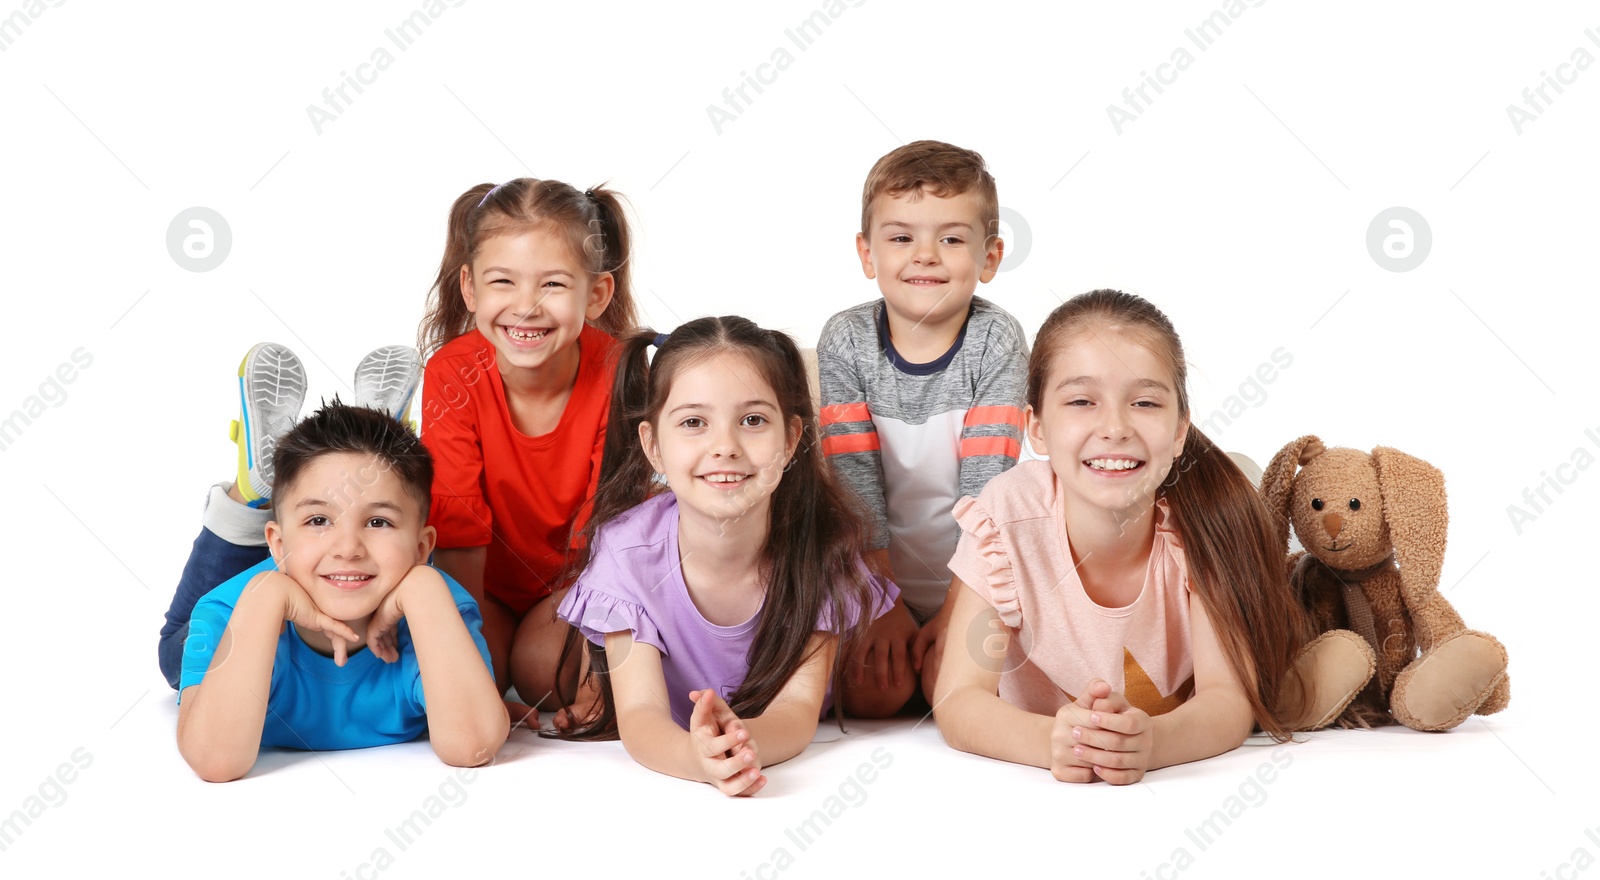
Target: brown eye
1316	504
1355	504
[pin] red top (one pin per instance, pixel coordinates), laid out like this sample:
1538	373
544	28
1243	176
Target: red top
494	485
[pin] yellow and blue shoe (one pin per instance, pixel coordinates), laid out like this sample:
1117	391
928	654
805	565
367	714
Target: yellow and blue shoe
272	388
387	380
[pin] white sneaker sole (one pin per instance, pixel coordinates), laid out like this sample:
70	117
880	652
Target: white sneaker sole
387	380
272	388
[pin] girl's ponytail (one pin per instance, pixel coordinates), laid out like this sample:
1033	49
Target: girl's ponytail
625	481
1237	568
625	473
609	244
446	315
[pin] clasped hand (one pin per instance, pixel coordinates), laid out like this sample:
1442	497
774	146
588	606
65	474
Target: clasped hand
1100	735
722	746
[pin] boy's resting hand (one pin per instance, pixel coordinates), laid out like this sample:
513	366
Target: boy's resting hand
1101	734
382	628
929	646
299	610
889	648
722	746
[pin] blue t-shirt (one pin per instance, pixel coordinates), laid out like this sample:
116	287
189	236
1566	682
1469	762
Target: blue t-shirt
313	703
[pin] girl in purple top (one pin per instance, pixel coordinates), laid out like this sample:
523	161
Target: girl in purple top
717	611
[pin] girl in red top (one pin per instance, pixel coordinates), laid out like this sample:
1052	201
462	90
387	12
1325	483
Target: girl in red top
532	289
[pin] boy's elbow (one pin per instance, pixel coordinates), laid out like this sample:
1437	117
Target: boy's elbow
211	760
474	748
212	766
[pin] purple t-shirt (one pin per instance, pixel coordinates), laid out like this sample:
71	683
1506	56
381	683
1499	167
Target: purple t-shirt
634	581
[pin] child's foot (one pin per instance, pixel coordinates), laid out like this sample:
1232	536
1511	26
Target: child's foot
387	379
272	387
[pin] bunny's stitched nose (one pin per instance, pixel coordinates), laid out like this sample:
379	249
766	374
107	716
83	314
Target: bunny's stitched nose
1332	522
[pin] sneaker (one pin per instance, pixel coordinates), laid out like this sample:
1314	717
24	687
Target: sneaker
272	387
387	380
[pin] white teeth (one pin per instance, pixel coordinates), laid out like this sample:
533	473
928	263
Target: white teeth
525	335
724	478
1112	464
348	577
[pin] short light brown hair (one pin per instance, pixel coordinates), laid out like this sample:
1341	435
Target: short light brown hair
943	170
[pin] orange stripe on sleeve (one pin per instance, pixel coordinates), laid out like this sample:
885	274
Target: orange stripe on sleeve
843	444
973	446
845	412
993	415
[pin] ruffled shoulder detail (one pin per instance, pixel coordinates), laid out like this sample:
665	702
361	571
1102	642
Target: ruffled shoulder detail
999	579
1167	552
1166	527
596	613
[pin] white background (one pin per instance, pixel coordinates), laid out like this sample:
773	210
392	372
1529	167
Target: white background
1238	200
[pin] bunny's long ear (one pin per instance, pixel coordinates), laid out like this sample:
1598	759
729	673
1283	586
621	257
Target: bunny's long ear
1414	506
1279	476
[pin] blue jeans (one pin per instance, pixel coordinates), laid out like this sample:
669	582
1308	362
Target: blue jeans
212	561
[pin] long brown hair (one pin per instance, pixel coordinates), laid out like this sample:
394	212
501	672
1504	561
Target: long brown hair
812	558
592	221
1235	559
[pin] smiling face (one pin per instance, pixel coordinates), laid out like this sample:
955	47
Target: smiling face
1108	418
530	296
720	438
928	253
347	531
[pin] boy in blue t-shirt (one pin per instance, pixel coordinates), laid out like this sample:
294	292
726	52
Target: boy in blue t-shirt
349	545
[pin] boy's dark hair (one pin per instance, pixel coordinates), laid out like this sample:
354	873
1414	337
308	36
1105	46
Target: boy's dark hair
944	170
339	428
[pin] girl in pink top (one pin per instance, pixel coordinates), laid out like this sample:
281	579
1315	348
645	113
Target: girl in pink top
1123	606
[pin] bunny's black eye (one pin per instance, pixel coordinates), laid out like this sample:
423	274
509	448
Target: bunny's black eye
1316	504
1355	504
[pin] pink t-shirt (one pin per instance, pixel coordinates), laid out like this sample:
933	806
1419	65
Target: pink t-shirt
1013	551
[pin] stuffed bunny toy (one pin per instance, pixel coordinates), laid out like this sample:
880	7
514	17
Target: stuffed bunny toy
1373	528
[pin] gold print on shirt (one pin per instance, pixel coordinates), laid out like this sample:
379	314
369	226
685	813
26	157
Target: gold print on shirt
1142	693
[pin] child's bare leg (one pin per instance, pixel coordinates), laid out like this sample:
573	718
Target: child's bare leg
536	656
499	629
